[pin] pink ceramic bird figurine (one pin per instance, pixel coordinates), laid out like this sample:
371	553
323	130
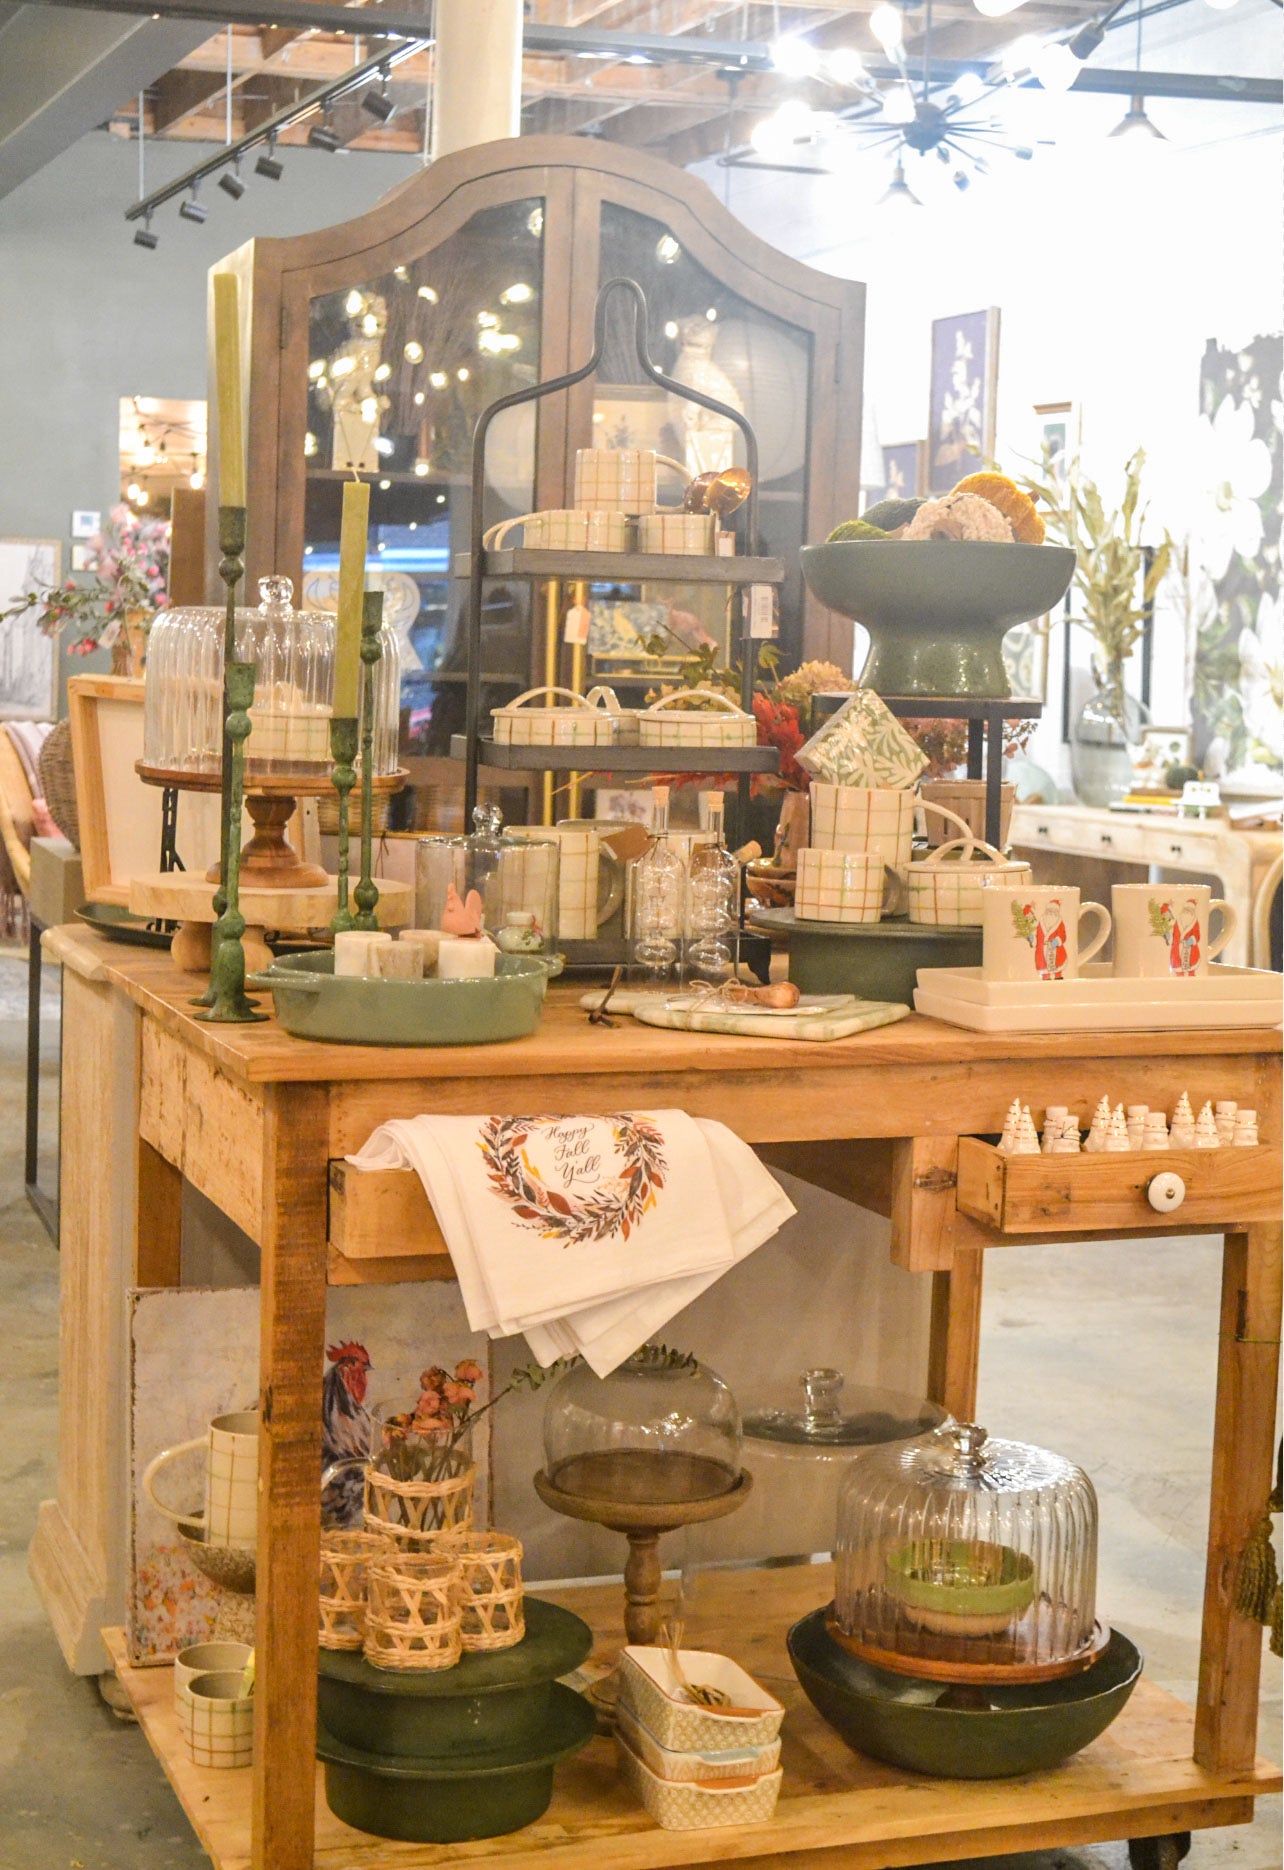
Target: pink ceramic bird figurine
461	917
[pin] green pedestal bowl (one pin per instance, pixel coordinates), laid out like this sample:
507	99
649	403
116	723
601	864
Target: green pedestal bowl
912	1724
937	610
875	960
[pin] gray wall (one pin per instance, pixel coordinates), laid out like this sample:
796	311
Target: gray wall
86	317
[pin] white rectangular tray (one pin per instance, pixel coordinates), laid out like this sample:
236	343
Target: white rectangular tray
1105	1016
1098	987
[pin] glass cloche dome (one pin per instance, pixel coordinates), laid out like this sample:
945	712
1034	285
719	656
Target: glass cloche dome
662	1428
962	1558
294	651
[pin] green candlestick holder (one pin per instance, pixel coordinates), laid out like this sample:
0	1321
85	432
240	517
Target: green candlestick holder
366	894
230	1004
231	544
343	746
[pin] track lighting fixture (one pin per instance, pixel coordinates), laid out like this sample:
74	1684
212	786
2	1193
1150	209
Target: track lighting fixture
144	237
192	209
323	135
268	163
230	181
378	103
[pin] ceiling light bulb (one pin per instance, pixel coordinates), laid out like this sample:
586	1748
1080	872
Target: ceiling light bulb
413	352
343	366
898	104
779	134
309	443
384	486
795	58
1019	57
487	320
887	26
316	368
421	467
382	373
462	373
133	491
671	329
1056	67
354	303
519	294
196	480
844	65
383	445
426	292
899	197
141	497
401	272
369	408
419	399
370	325
438	379
667	250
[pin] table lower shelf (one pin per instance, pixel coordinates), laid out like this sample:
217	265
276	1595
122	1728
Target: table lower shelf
1138	1780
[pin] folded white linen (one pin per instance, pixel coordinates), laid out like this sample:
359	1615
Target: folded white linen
585	1233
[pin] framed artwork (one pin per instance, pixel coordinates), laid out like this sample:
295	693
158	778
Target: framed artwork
27	663
965	376
1161	747
1025	657
904	470
1057	432
85	523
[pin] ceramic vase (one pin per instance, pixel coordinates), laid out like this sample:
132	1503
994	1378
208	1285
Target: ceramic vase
1108	726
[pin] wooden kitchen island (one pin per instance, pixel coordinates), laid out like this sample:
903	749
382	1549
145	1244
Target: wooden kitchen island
260	1123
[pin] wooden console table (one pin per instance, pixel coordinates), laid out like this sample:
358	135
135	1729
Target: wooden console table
260	1122
1202	846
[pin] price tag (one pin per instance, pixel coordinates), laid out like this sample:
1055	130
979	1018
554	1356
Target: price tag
762	621
576	629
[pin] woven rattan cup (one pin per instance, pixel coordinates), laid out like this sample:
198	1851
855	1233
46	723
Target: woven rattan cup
412	1513
344	1557
490	1565
413	1612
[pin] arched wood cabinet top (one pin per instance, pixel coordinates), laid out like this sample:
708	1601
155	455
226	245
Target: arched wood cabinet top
577	181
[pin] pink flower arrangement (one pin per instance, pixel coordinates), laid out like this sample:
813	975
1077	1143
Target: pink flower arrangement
130	562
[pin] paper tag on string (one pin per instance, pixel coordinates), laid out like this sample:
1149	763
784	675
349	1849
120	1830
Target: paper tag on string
762	620
576	629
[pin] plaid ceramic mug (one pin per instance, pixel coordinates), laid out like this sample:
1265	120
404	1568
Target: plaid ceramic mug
231	1511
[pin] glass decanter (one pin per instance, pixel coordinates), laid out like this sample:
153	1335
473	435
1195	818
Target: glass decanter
713	897
659	891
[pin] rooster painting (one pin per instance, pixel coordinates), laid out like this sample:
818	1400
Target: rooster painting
345	1434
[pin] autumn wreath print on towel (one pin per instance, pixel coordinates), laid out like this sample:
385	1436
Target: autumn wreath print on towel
576	1180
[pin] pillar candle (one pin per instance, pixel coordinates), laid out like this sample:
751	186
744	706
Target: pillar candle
352	578
356	952
400	960
227	383
466	957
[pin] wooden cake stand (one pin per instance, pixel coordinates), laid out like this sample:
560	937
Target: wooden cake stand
175	896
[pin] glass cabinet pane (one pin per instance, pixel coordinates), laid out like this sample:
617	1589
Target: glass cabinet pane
400	368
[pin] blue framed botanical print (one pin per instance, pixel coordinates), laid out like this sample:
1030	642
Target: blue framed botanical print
965	376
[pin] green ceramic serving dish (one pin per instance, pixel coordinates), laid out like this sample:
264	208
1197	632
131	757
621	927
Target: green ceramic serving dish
874	960
312	1004
487	1704
959	1586
937	610
473	1796
911	1723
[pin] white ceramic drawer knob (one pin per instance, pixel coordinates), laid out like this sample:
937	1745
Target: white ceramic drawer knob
1166	1191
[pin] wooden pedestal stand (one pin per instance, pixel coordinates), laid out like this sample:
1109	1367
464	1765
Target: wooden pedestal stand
642	1525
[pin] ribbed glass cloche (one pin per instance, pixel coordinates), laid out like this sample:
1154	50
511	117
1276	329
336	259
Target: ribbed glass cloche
964	1558
294	654
661	1428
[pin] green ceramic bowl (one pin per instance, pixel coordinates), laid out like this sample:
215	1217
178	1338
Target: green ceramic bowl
312	1004
959	1587
876	960
937	610
487	1704
909	1723
477	1796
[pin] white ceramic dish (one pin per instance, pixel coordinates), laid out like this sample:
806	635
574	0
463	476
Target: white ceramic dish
678	1805
686	1765
1098	986
1136	1016
668	723
650	1691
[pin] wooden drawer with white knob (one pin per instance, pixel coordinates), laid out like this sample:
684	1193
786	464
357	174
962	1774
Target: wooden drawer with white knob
1174	1188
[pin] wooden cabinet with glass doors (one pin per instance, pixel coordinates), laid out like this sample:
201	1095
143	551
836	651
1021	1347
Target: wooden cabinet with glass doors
377	343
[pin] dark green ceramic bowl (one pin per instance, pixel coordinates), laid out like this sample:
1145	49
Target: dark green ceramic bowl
876	960
937	610
487	1704
894	1718
311	1003
477	1796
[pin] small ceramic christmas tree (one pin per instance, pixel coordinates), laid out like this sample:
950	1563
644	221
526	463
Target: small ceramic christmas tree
1182	1133
1206	1129
1011	1125
1027	1135
1117	1139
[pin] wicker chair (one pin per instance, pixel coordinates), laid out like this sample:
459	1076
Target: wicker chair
15	813
58	778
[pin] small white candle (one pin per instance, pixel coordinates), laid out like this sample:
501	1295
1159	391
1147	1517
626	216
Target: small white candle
466	957
400	960
428	941
355	952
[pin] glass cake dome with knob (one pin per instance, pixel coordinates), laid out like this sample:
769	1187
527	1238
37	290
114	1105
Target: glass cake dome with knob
294	689
661	1428
965	1558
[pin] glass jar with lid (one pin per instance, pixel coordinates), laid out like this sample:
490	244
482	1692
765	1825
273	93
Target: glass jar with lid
962	1558
293	651
516	879
662	1428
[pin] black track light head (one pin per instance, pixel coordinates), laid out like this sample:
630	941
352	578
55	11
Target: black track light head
144	237
1087	39
378	103
324	136
193	210
231	184
268	163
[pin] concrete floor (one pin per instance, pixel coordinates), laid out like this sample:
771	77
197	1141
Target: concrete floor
1104	1352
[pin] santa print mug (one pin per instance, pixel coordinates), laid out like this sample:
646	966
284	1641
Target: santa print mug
1164	931
1032	933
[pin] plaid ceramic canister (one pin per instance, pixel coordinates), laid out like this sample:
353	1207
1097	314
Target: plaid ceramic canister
839	886
878	819
577	876
686	534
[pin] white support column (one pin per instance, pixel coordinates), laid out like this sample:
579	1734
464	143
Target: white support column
477	93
